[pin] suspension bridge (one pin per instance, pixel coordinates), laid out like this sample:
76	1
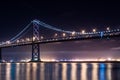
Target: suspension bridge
36	38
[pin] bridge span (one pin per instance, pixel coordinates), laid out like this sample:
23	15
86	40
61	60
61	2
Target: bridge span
35	40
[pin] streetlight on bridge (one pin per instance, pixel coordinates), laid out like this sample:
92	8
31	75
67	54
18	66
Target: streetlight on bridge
18	41
83	31
94	30
63	34
33	38
8	42
41	37
108	28
55	35
27	39
73	33
22	40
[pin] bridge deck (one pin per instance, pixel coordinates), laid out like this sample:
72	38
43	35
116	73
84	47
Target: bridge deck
61	39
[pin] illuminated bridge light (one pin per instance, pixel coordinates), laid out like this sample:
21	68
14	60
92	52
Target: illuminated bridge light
27	39
55	35
117	29
114	30
18	41
94	30
63	34
108	28
33	38
83	31
73	33
41	37
22	40
8	42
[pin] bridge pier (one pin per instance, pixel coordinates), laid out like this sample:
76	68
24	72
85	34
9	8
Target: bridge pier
35	53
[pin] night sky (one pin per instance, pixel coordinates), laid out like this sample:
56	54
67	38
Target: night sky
68	15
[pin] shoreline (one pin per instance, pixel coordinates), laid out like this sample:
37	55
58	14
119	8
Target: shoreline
66	62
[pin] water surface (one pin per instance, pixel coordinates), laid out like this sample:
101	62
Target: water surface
59	71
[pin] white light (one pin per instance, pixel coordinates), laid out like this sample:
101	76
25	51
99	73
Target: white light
27	39
18	41
73	33
33	38
41	37
108	28
83	31
55	35
8	42
94	30
64	34
109	59
22	40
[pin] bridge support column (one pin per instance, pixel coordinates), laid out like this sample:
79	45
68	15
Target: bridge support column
35	53
0	54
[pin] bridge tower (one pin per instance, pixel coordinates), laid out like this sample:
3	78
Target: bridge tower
35	46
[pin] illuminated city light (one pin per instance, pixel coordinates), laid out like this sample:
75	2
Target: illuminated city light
109	59
25	60
76	60
117	59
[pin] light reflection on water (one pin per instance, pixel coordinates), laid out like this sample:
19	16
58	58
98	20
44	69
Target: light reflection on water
59	71
8	71
94	71
34	67
109	71
73	71
83	71
27	71
17	71
42	69
64	70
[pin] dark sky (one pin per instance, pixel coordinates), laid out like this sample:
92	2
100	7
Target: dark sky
14	15
69	15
